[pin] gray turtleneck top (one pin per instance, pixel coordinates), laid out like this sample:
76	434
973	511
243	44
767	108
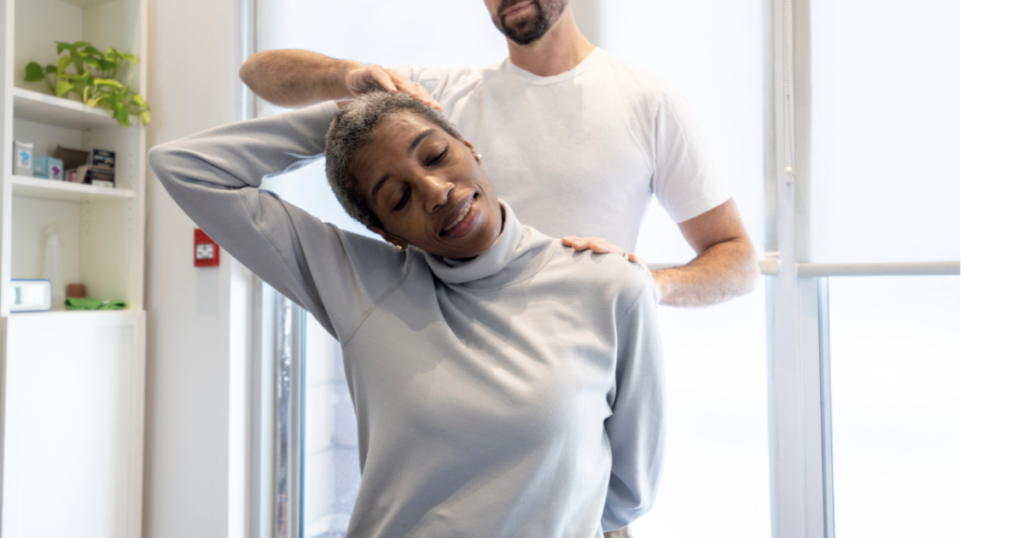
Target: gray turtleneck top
517	394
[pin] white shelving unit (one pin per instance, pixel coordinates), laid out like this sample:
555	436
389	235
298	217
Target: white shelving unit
71	382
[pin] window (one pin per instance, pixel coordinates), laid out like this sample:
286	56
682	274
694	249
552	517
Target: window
894	348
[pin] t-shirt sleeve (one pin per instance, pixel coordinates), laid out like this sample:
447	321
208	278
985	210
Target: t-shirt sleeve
686	180
636	428
214	176
437	81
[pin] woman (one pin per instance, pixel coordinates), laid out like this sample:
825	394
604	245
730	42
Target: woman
504	385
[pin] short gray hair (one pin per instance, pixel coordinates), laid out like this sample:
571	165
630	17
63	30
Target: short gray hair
353	127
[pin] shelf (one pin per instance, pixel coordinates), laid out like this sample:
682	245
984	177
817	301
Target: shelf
65	316
86	3
62	190
53	110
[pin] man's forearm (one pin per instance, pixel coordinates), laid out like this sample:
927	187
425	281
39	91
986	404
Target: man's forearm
296	78
722	272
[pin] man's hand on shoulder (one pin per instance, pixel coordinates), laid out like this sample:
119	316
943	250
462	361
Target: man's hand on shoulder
599	245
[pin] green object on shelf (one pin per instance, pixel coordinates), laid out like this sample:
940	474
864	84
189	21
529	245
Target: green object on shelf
94	80
85	303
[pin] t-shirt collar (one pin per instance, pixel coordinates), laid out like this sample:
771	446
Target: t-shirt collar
512	69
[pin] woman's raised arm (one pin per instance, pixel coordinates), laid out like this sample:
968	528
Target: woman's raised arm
214	176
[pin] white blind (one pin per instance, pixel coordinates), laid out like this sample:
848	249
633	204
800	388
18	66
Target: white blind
885	131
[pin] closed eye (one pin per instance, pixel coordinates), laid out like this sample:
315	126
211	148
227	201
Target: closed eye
401	203
440	157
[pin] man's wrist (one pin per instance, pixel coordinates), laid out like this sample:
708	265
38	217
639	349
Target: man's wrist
338	78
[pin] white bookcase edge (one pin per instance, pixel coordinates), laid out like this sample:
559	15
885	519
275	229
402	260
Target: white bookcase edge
52	189
101	317
60	112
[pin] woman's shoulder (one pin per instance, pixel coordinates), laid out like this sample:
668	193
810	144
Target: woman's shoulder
610	276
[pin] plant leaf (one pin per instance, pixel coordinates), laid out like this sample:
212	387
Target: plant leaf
91	61
51	69
62	64
63	87
144	116
121	114
34	72
81	44
108	82
91	50
61	47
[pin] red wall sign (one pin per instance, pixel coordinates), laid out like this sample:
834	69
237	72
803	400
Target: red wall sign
206	253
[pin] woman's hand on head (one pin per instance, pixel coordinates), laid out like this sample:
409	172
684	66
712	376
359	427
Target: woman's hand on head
368	78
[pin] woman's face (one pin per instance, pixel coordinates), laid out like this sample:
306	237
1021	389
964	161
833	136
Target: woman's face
427	188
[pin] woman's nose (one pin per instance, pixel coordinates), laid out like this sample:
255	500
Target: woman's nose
438	191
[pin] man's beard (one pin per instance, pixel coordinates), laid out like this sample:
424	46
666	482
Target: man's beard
530	29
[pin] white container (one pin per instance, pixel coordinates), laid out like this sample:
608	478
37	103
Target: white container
30	295
23	158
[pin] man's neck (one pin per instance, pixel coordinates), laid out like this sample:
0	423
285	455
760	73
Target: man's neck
561	49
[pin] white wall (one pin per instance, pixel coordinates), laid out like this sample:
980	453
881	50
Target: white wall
193	419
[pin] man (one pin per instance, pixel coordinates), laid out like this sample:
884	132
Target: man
573	138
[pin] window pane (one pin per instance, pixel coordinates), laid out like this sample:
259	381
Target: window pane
885	148
895	347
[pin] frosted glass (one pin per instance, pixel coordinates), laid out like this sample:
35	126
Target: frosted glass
895	346
885	131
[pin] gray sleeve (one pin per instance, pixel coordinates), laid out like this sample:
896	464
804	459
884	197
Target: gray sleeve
636	429
214	176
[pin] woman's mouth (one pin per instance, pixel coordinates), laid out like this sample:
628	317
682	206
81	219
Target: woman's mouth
464	221
459	220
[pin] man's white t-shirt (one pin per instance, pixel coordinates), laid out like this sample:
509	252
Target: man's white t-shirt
582	152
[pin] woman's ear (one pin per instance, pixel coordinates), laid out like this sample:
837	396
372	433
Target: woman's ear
400	244
469	145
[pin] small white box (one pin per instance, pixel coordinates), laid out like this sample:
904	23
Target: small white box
31	295
23	158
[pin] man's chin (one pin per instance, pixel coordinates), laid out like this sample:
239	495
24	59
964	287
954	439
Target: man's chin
525	34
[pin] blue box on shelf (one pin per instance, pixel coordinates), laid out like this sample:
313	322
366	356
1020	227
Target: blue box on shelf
48	167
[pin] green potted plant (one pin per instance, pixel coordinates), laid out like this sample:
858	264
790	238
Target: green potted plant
93	80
